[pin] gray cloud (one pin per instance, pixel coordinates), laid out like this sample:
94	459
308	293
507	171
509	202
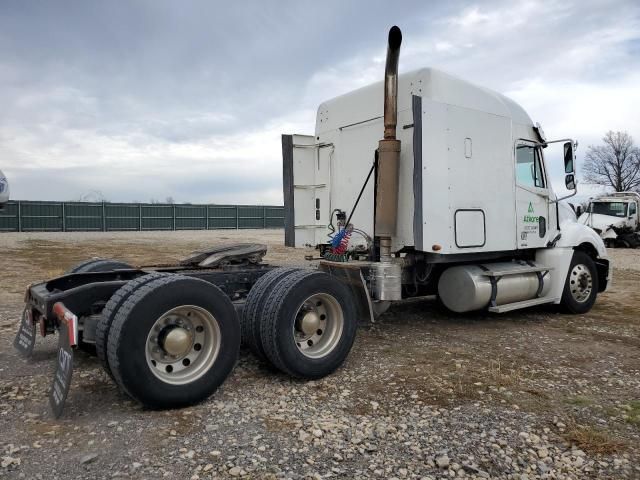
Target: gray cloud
188	99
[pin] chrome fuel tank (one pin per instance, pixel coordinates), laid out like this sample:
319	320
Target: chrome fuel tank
465	288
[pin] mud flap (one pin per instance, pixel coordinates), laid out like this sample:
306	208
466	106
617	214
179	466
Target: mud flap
68	340
26	336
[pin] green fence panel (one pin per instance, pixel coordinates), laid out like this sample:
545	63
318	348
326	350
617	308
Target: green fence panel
274	217
251	217
191	217
83	217
9	218
122	216
157	217
86	216
222	216
41	216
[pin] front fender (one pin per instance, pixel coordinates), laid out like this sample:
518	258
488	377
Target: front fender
575	234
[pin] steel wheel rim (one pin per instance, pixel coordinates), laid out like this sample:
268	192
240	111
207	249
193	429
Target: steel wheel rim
580	283
318	325
183	344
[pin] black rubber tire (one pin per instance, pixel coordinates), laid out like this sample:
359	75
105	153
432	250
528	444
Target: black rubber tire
98	265
109	313
135	318
279	317
570	304
254	309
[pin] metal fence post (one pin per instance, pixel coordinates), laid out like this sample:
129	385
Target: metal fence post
64	219
206	214
237	218
104	218
264	217
174	216
140	216
19	216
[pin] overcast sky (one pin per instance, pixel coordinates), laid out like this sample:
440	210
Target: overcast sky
150	99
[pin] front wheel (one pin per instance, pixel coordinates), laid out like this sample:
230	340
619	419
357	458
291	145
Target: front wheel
581	285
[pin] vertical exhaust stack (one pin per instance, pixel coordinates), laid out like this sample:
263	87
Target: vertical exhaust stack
389	152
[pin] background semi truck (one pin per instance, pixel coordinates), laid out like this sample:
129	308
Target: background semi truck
455	200
4	190
615	218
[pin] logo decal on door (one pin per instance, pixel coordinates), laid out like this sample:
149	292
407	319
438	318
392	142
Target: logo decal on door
530	207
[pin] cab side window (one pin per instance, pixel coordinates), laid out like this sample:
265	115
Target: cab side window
529	167
632	208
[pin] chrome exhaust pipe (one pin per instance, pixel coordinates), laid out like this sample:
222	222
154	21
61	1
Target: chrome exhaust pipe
388	152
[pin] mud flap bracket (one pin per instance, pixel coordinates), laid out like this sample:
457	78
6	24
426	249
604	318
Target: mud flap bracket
351	276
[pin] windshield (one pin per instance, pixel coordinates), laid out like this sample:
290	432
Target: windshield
615	209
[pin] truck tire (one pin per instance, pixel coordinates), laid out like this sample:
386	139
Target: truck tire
98	265
254	309
309	324
581	286
109	313
173	342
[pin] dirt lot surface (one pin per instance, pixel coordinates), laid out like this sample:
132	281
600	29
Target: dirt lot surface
424	394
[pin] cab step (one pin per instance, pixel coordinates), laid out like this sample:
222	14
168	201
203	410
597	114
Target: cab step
522	268
523	304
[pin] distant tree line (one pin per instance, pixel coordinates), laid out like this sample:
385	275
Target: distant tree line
615	163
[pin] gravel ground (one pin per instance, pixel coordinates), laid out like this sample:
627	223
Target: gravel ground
424	394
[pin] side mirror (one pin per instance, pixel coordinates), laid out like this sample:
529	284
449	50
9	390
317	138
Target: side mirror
568	157
570	181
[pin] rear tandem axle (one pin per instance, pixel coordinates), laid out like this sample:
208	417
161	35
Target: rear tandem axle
169	335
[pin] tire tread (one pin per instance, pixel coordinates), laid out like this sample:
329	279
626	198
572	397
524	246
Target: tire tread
252	314
111	309
272	306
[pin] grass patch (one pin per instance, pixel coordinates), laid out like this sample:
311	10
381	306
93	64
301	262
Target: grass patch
633	412
579	401
593	440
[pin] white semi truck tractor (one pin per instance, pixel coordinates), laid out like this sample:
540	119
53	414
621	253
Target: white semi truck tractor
419	185
461	203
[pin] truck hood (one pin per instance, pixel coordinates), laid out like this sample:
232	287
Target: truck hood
600	222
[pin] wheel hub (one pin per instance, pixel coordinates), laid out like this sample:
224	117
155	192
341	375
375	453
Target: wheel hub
182	344
581	283
177	342
318	326
310	323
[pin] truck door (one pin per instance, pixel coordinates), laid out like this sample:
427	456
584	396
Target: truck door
532	198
